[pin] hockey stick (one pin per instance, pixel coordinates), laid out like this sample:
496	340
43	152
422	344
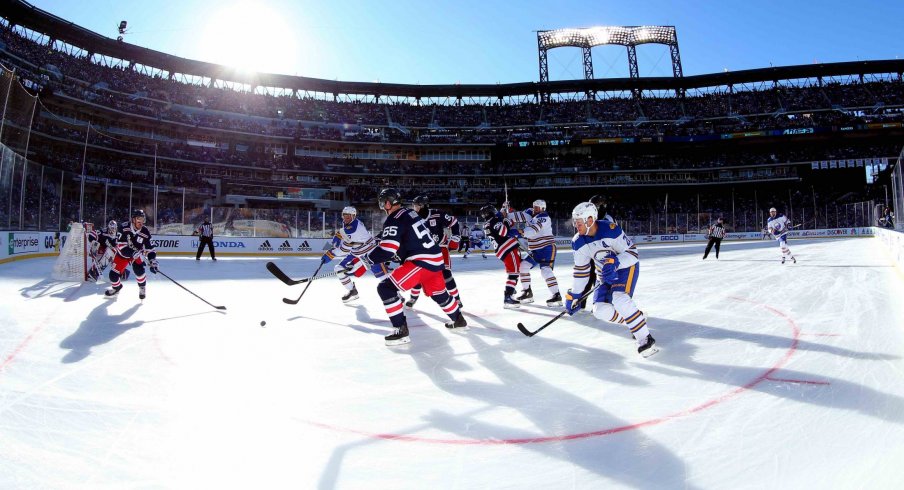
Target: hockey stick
276	271
289	301
185	288
527	332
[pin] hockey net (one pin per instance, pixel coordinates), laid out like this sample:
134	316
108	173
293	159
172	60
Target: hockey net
74	262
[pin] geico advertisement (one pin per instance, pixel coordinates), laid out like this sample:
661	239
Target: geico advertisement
242	245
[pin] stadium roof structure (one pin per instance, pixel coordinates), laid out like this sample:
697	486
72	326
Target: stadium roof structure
19	12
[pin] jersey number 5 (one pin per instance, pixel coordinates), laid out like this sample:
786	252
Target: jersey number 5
420	229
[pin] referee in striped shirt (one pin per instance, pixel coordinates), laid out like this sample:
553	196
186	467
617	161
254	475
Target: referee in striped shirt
205	231
716	234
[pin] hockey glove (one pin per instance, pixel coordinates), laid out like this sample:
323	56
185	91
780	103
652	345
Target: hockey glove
572	302
326	258
154	265
366	259
609	269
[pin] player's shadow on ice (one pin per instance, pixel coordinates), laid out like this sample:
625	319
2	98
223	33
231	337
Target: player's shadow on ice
383	325
98	328
69	291
682	351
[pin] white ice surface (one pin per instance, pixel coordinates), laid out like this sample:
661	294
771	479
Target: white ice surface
770	376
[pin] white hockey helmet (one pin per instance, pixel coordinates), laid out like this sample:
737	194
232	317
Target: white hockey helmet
112	226
350	210
773	210
582	212
540	203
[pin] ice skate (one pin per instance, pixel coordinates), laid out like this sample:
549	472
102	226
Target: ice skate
511	303
459	325
112	292
351	295
556	300
648	347
141	292
399	336
527	296
410	303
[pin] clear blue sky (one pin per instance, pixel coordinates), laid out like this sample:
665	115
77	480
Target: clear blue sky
490	41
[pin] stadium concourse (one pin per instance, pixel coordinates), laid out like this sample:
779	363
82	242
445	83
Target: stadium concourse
770	376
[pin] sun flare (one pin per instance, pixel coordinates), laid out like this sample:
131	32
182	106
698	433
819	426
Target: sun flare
249	36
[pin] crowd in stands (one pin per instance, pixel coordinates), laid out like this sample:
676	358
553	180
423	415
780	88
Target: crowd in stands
295	116
120	153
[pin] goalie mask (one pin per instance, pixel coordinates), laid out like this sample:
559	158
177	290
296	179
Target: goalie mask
112	226
583	217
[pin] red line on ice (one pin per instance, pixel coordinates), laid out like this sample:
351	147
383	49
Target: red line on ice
766	375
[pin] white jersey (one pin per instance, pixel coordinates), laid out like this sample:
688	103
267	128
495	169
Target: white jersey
778	226
537	229
590	250
353	238
476	235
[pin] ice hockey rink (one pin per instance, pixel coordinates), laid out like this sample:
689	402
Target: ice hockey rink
770	376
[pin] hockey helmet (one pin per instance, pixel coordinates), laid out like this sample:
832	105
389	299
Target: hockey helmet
112	226
772	210
598	201
139	213
540	203
350	210
391	195
487	212
421	200
582	214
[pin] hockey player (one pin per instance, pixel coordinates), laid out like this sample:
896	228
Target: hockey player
102	246
778	226
541	250
502	231
133	247
406	236
437	222
603	246
478	237
353	238
601	208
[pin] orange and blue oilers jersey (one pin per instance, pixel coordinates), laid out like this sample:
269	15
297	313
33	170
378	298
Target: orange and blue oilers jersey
406	235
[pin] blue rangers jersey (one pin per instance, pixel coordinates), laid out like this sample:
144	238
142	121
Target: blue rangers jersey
590	250
503	232
406	235
131	242
537	228
352	238
437	222
778	226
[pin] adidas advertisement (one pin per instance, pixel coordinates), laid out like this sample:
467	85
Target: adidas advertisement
265	247
285	247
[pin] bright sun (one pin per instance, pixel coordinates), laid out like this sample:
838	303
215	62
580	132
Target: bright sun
249	36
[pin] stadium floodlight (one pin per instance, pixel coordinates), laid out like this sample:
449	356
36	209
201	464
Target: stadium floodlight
603	35
589	37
